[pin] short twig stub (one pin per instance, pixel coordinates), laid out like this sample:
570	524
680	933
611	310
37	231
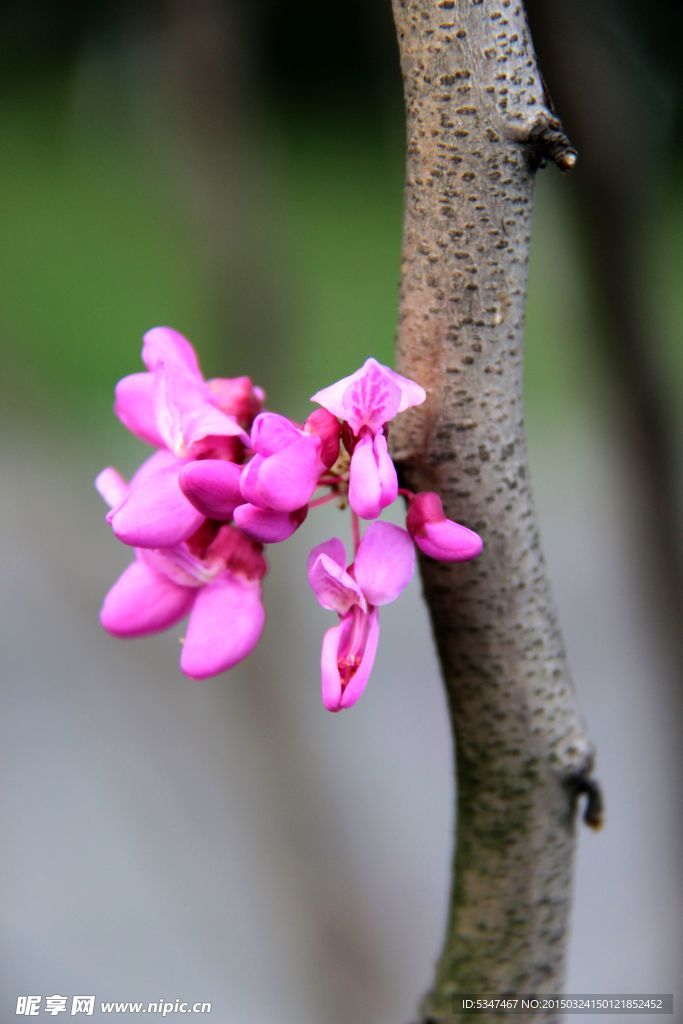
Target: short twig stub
548	140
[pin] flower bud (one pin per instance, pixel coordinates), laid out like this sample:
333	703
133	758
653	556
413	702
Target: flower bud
325	426
237	397
437	536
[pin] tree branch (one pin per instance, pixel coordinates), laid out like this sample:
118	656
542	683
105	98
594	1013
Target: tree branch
478	120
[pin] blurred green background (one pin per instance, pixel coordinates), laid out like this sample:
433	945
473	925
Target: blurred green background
235	171
104	152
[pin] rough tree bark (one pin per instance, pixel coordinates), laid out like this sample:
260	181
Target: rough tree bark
479	122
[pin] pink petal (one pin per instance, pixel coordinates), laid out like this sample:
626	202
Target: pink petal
449	542
225	625
329	669
335	589
205	423
270	433
388	480
266	525
237	396
284	481
168	409
332	397
178	565
333	548
111	486
116	486
367	397
385	562
411	393
359	680
160	460
213	487
239	553
373	484
335	694
370	397
176	396
143	601
134	404
156	513
249	481
164	346
365	486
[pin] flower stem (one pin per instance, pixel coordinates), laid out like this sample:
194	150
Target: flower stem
355	527
326	498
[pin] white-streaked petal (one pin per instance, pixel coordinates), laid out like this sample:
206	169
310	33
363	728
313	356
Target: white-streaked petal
335	589
163	346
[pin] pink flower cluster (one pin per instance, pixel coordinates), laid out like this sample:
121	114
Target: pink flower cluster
228	478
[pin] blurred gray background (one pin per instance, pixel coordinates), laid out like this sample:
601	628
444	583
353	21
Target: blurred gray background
231	841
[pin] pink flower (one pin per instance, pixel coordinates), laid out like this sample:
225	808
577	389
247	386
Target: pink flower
214	577
437	536
367	400
282	475
288	461
383	567
173	407
370	397
199	510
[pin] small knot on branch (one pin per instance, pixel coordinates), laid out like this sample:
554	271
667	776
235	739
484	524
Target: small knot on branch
547	140
594	809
